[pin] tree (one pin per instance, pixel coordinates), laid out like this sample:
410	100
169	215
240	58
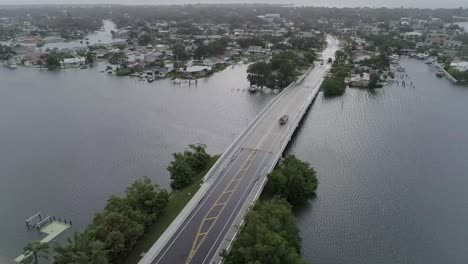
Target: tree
53	61
118	58
197	157
293	180
145	39
148	198
333	86
179	52
90	58
374	80
258	73
187	165
35	248
181	172
80	249
270	235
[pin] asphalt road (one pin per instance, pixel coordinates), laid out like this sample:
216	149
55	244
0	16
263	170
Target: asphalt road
198	238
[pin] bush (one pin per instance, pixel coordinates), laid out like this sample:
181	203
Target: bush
333	86
270	235
114	232
293	180
187	165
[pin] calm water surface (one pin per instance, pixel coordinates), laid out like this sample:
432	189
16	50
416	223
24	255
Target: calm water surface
70	139
392	166
392	163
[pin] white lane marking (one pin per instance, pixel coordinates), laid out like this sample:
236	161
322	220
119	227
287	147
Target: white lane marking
198	209
220	180
235	208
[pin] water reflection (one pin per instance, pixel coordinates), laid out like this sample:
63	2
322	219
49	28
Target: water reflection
392	171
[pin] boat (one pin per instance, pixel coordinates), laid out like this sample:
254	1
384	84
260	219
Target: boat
84	66
253	89
150	79
440	73
13	66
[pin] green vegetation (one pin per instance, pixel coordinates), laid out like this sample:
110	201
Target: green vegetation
113	232
282	70
211	49
177	202
247	42
37	249
187	165
333	86
270	233
118	58
461	77
53	61
126	71
6	52
293	180
90	58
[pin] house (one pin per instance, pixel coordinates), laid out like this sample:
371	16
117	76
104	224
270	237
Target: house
454	44
153	56
161	72
73	62
212	62
361	56
34	58
460	66
357	81
197	69
436	38
256	50
413	35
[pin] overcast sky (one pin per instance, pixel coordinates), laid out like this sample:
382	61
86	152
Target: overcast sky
339	3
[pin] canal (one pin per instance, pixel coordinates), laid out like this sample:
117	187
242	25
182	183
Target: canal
391	162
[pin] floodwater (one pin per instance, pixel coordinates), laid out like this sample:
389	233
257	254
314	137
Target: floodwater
391	163
392	166
102	36
70	139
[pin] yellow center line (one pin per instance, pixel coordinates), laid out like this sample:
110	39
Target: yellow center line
200	237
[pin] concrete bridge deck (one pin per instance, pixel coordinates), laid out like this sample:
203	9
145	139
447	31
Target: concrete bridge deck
210	221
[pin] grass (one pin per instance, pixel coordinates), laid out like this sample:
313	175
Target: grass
177	202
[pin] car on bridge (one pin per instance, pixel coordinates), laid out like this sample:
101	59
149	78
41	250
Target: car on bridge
284	119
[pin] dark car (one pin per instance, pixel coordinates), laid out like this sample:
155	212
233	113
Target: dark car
283	119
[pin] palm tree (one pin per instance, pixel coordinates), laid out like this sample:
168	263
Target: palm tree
35	248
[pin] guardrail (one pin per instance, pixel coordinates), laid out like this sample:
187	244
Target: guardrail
209	179
446	74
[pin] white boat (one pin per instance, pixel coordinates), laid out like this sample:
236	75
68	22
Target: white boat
13	66
253	89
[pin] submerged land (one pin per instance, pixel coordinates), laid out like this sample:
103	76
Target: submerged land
188	44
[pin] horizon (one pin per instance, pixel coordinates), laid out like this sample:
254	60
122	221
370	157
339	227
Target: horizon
423	4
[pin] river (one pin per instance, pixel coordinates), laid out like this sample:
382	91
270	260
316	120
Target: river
391	163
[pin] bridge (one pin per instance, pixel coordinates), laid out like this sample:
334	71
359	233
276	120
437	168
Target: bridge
210	221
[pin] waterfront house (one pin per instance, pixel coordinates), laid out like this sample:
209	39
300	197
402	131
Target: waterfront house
253	50
73	62
460	66
153	56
